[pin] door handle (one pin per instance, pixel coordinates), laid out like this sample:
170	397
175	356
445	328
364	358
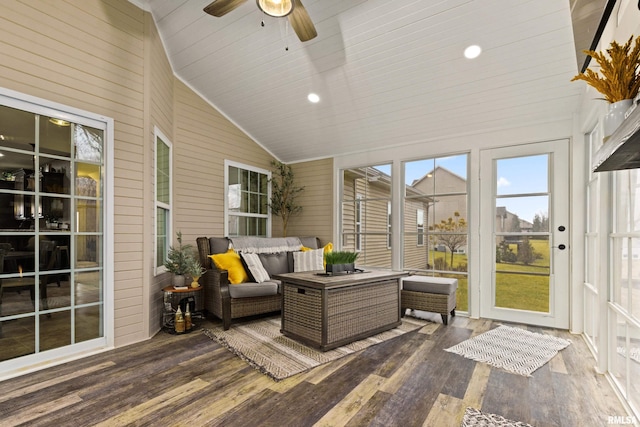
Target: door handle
561	247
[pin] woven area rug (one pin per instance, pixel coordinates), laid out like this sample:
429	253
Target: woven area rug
475	418
513	349
261	344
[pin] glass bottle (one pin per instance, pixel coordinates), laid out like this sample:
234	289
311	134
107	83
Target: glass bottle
187	318
179	321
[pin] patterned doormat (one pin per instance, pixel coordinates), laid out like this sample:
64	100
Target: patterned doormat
475	418
261	344
513	349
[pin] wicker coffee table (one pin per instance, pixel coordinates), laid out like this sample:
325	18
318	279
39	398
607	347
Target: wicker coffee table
326	312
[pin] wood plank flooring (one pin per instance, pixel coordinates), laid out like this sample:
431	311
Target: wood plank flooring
190	380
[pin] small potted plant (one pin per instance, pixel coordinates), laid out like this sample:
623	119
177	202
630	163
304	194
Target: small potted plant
340	262
195	270
178	260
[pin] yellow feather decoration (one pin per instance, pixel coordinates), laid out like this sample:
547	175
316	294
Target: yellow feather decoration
619	76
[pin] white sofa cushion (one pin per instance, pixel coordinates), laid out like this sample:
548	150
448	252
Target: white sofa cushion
308	260
254	265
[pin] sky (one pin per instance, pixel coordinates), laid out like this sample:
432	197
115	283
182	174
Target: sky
522	175
516	178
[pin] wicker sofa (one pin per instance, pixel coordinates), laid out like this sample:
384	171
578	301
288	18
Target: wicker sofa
226	301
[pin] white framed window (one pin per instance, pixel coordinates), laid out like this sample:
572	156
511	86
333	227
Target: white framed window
163	197
420	226
437	191
247	195
624	293
365	227
358	223
389	225
593	244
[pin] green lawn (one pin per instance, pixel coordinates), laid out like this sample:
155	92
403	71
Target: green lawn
518	291
524	291
462	295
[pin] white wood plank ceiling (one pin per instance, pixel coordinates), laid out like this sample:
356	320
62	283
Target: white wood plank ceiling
387	72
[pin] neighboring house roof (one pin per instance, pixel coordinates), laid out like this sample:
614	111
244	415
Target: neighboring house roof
438	170
377	177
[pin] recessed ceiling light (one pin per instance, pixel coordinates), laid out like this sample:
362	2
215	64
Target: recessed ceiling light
313	97
472	51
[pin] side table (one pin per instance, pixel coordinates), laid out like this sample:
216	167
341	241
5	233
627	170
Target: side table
172	298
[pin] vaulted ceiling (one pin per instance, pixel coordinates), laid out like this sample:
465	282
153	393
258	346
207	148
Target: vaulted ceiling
387	72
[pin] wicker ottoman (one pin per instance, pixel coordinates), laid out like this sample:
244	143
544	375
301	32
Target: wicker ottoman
434	294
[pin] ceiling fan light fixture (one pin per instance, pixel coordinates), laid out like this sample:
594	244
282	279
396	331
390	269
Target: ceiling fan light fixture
276	8
59	122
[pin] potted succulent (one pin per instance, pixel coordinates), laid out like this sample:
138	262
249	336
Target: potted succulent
195	270
618	79
178	260
340	262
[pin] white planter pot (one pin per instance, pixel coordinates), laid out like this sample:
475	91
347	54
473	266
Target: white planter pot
614	118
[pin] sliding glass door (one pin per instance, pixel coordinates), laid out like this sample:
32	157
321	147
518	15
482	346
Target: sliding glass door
51	231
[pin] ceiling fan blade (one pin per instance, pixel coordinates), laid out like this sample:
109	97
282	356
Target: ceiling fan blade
301	22
222	7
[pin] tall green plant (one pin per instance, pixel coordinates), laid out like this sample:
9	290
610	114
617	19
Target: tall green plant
283	194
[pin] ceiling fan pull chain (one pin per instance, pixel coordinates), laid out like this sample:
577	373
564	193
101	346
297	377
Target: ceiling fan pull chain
284	33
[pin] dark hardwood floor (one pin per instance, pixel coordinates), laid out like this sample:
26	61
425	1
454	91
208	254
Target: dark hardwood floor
189	380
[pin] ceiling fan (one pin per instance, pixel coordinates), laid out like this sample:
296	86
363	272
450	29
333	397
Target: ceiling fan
293	9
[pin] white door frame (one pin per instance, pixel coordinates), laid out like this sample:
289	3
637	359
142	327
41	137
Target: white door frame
36	361
559	283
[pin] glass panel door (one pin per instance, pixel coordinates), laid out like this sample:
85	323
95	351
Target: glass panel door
51	234
522	233
525	211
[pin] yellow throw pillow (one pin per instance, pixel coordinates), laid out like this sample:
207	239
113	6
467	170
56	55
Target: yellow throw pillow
305	249
230	261
327	248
